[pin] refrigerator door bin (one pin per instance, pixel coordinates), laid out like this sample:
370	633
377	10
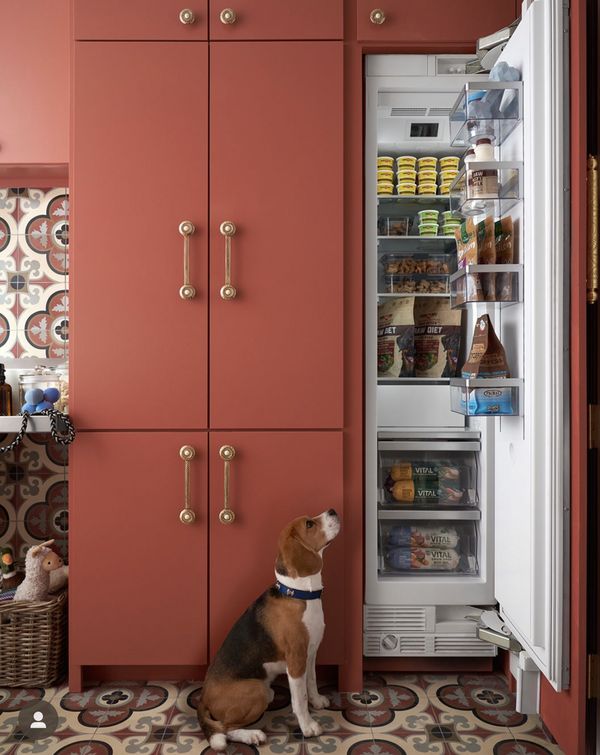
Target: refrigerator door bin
486	108
498	284
486	397
493	187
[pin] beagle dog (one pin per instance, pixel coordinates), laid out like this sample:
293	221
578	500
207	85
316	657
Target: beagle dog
280	633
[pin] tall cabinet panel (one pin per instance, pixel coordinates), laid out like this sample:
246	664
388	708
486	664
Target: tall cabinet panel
139	170
273	477
276	137
138	586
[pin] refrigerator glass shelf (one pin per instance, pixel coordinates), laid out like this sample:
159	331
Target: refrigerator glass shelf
501	285
437	514
412	381
411	203
403	296
497	113
504	192
487	397
416	243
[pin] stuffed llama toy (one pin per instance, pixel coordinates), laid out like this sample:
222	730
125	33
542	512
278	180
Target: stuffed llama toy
39	562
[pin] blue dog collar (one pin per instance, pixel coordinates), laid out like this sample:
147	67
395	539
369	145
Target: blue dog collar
299	594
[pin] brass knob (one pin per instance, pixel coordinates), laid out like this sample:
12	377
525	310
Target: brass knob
228	16
226	516
186	16
186	228
187	516
187	292
187	453
228	292
377	16
227	453
227	228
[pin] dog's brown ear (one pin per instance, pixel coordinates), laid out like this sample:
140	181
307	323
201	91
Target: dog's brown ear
295	559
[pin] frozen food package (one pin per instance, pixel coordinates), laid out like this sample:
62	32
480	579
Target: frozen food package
422	491
467	254
486	255
409	470
396	338
423	559
437	338
487	358
504	233
422	536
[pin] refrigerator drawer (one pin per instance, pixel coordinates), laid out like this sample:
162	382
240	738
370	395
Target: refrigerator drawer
418	547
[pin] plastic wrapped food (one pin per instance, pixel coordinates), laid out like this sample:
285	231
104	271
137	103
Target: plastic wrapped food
423	559
436	470
422	536
423	490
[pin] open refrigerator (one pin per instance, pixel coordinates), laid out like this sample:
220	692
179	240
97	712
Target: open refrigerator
467	497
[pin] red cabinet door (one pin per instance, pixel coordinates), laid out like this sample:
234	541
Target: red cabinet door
276	173
272	19
140	19
139	169
34	93
429	22
138	586
274	477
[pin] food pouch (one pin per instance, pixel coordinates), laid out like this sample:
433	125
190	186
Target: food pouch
396	338
487	358
437	338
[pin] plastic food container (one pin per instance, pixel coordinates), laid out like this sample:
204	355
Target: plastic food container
449	217
427	163
429	187
393	226
427	175
428	229
416	264
448	230
449	163
447	176
385	162
445	188
407	174
385	174
428	216
406	161
416	284
406	188
385	187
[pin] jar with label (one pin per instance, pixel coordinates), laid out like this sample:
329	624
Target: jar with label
41	378
482	183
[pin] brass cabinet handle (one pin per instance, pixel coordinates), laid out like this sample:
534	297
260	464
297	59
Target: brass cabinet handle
227	453
228	16
186	228
186	16
228	230
377	16
187	515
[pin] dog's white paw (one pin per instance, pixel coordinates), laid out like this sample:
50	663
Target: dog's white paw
311	728
247	736
318	702
270	694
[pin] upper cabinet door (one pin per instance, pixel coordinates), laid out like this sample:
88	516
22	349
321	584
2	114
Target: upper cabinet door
272	19
34	93
274	477
431	21
140	19
139	170
276	175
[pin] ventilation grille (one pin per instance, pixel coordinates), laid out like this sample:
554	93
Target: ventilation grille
401	619
462	645
393	645
403	112
439	111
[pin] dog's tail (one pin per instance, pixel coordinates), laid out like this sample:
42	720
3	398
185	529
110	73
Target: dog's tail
214	731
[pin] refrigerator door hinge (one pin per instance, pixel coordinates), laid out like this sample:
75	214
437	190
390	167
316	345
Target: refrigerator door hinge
593	667
492	629
592	230
593	426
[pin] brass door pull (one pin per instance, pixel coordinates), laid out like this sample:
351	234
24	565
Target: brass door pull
187	291
228	229
187	515
227	453
377	16
228	16
186	16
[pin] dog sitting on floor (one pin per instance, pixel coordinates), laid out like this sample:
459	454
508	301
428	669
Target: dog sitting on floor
279	633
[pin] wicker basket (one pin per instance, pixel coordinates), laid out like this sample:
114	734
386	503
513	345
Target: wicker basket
33	642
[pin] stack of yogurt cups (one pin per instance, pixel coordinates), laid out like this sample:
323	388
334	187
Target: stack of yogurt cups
407	175
385	175
427	176
431	224
448	172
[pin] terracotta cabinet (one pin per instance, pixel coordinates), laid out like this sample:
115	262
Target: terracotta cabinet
273	478
139	170
139	585
431	22
276	140
141	19
272	19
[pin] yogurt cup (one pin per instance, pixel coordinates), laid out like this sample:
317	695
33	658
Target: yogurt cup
385	187
447	176
406	161
427	163
385	174
445	188
428	216
449	217
428	229
385	162
407	187
449	163
429	187
427	175
407	174
449	228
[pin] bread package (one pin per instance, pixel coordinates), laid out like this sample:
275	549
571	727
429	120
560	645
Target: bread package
437	338
487	358
396	338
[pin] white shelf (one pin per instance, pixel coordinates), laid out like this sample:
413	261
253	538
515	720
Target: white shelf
403	296
421	514
35	424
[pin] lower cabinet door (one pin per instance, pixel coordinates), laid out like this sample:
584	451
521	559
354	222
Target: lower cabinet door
272	478
138	574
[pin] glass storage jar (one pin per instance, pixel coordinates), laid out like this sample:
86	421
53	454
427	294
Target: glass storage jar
41	377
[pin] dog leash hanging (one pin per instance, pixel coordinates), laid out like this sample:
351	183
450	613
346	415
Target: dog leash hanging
64	437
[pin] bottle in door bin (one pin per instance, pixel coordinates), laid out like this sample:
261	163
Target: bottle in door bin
5	395
483	184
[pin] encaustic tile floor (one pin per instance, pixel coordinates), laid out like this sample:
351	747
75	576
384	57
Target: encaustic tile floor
396	714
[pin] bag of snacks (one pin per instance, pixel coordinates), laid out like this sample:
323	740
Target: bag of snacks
437	338
468	288
396	338
504	232
486	255
487	358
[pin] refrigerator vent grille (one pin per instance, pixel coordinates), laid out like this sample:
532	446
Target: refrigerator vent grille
461	645
394	645
398	619
441	111
403	112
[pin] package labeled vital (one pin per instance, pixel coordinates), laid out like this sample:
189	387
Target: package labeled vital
423	536
487	358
